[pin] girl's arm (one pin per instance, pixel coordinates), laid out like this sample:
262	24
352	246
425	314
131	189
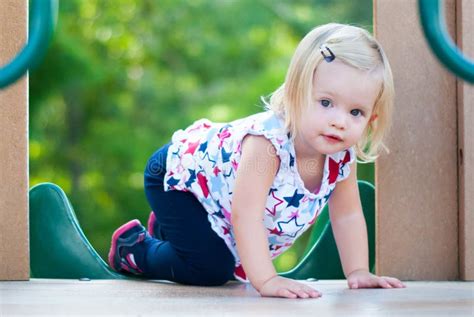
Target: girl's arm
255	174
348	224
257	169
350	232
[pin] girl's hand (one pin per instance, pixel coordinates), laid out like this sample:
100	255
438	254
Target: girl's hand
365	279
279	286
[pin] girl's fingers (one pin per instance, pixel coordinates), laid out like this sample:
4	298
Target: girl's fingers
313	293
283	292
383	283
305	292
394	282
298	291
302	294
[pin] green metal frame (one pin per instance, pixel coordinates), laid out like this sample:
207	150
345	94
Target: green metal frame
43	18
441	44
59	248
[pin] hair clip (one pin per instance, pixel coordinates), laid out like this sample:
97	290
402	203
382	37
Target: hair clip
327	58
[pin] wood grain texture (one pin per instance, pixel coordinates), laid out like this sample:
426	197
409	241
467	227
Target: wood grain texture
14	247
465	31
416	199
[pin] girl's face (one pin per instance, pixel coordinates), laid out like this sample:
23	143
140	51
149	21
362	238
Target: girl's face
343	100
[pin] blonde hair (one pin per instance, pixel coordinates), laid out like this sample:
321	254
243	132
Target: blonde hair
353	46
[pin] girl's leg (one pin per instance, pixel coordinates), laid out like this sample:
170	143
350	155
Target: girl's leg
190	252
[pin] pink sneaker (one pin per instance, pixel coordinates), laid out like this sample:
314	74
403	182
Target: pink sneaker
126	235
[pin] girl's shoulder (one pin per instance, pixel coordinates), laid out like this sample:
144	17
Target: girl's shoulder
339	166
267	124
262	121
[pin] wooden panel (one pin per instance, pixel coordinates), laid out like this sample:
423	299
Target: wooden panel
59	297
14	250
465	31
417	221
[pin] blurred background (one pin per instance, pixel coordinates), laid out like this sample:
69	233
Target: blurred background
121	76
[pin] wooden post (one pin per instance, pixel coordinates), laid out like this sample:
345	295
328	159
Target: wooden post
417	183
465	31
14	246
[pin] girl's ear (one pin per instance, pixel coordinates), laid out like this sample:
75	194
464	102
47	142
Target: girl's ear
373	118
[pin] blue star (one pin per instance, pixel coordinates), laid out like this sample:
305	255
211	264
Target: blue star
231	171
219	214
203	147
289	226
341	170
326	198
176	153
225	155
172	181
294	200
209	159
192	177
292	160
216	184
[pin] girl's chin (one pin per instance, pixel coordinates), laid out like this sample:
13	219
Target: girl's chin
329	150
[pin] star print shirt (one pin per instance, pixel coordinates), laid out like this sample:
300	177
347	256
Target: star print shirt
203	159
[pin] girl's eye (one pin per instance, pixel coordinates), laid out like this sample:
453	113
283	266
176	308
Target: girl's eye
325	103
356	112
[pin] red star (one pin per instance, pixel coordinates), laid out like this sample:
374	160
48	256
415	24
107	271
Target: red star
226	230
192	147
273	211
275	231
346	158
333	170
294	214
235	165
202	181
239	148
216	170
239	272
222	136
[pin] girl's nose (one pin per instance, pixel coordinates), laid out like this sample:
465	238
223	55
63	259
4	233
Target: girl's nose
338	121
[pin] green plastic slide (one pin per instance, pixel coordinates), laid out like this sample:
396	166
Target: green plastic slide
59	248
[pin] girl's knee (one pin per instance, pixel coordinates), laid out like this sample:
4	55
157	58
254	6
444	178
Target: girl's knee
216	274
216	278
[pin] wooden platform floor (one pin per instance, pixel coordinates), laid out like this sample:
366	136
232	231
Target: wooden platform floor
49	297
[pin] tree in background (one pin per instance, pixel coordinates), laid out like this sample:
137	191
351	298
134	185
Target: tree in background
121	76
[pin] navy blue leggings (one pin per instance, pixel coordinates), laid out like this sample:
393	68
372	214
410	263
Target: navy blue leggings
187	250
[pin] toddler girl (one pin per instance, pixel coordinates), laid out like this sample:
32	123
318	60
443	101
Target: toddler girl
227	198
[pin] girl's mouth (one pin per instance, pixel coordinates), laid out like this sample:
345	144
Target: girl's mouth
332	138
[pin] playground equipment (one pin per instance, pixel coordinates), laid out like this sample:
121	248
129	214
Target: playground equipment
42	21
417	265
441	43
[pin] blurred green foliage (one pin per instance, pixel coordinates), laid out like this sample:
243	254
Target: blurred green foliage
121	76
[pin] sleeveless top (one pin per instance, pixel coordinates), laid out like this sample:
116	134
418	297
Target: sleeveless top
203	160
